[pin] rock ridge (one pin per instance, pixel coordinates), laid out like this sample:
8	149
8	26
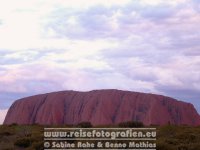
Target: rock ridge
101	107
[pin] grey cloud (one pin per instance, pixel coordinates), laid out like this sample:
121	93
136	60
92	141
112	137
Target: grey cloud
186	94
91	23
150	43
32	79
94	22
7	98
181	94
159	34
148	65
26	56
158	13
193	52
196	5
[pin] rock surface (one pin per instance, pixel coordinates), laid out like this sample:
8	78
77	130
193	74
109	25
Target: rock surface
101	107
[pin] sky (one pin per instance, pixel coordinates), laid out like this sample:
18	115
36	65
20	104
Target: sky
148	46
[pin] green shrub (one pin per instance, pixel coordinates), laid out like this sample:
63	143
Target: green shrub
167	131
38	145
194	146
13	124
182	147
84	125
172	141
6	146
161	145
23	142
6	133
131	124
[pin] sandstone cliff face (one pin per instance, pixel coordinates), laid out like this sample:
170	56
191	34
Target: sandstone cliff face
101	107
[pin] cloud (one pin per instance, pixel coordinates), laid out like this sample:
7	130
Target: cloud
168	72
148	46
97	21
3	113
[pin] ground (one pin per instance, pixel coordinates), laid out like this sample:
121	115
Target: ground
30	137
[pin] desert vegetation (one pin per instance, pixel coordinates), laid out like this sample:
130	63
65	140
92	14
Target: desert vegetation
30	137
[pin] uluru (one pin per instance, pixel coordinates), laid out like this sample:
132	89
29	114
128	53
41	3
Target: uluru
101	107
